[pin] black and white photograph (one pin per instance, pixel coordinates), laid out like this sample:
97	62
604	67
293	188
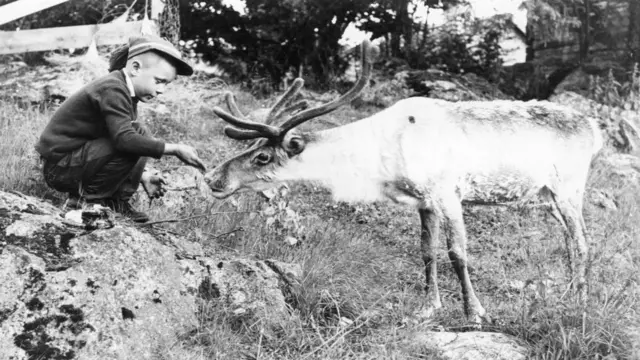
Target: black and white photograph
319	179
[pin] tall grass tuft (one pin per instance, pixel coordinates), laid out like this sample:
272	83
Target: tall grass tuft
20	127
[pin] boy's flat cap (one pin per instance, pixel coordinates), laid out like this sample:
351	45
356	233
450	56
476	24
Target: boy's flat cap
142	44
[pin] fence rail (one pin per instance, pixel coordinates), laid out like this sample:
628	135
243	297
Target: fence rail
65	37
20	8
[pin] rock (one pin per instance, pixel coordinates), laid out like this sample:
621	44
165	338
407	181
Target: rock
383	93
602	198
70	293
185	184
577	81
345	322
259	288
291	241
123	295
472	345
614	177
516	285
625	167
574	100
51	85
441	85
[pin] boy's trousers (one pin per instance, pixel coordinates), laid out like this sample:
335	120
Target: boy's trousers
97	170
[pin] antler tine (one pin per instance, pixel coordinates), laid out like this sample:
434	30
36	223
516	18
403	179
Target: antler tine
301	105
239	134
263	129
346	98
284	100
231	104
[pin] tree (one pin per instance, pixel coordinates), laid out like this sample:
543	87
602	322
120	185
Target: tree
633	34
559	21
274	36
394	21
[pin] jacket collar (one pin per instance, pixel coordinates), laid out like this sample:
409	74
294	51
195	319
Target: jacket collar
127	79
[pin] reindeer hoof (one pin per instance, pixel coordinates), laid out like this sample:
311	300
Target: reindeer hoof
476	314
476	321
477	317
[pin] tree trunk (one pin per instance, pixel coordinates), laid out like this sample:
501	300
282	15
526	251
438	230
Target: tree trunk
425	36
402	27
386	45
394	45
585	29
633	34
408	28
530	42
425	32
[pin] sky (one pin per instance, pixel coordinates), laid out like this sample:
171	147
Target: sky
481	8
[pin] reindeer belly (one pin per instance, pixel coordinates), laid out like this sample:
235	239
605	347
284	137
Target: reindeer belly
499	188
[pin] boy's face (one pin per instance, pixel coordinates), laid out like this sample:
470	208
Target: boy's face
150	74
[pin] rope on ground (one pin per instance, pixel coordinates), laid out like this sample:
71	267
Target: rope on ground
193	217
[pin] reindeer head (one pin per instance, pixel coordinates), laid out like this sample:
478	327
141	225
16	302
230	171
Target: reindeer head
256	167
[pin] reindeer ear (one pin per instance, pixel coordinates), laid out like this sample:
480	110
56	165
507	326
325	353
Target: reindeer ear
294	145
240	134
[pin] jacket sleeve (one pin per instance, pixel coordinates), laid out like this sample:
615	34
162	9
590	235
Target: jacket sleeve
116	107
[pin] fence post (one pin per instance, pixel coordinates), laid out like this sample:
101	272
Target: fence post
157	6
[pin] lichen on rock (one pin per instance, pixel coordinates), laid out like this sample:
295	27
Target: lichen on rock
73	293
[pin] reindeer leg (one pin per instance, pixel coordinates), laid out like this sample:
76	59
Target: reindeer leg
558	215
575	233
457	245
430	223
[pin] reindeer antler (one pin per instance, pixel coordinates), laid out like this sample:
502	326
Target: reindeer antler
286	98
244	129
344	99
260	129
231	104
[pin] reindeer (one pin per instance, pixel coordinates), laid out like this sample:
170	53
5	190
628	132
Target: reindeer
430	154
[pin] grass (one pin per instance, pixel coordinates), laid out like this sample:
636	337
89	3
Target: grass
363	276
20	127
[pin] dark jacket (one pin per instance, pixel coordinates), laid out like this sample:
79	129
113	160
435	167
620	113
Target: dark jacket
103	108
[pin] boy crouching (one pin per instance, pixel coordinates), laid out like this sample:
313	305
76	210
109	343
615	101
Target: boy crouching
94	149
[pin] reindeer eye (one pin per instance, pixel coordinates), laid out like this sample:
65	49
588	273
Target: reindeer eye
296	145
262	158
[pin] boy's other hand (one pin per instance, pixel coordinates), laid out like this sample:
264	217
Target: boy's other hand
186	154
154	185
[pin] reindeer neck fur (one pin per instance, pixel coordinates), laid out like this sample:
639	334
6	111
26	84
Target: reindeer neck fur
354	161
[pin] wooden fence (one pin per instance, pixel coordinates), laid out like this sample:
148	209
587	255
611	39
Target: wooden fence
65	37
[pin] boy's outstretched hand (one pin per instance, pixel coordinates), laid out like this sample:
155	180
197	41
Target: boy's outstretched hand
186	154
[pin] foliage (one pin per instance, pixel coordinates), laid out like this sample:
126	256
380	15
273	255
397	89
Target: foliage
610	92
282	220
300	36
618	107
273	37
467	45
394	21
488	54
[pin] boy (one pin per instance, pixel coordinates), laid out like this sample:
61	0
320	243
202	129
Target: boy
93	148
